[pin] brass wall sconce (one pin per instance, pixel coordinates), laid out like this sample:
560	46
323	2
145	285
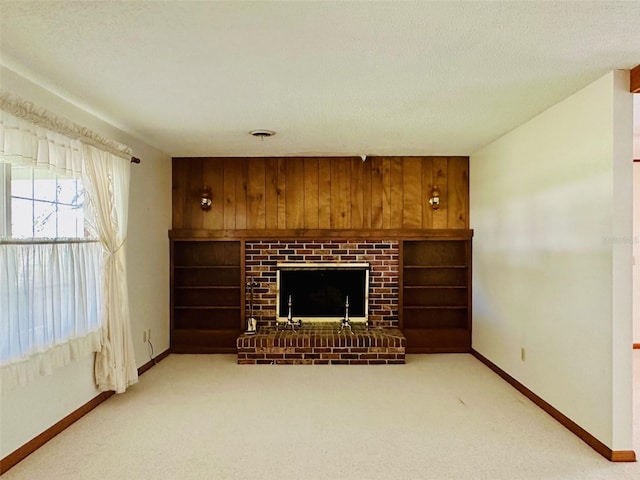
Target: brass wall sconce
434	201
205	199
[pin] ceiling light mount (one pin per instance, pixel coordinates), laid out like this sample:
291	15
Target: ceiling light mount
262	134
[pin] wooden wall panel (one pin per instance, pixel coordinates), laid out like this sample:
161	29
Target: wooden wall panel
427	186
357	193
324	193
271	193
281	192
321	193
229	190
311	185
635	80
213	178
396	192
240	173
340	193
458	189
256	184
377	192
194	170
366	195
386	193
412	193
440	178
294	198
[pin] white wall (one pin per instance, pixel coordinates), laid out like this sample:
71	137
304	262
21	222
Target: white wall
636	219
636	125
636	249
552	218
27	411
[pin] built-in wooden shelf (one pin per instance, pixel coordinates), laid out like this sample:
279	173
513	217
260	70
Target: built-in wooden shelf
435	304
206	295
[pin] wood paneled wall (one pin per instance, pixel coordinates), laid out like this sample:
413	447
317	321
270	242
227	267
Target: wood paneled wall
338	193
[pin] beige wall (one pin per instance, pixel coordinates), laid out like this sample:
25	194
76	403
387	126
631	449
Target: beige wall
636	251
636	219
636	125
27	411
551	211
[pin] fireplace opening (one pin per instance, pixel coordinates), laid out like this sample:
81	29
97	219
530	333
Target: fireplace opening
319	291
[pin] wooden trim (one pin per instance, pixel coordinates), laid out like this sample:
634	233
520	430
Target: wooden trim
32	445
151	363
636	346
622	456
635	80
593	442
293	234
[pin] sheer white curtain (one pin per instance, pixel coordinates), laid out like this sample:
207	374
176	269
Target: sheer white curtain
49	290
50	294
88	280
107	192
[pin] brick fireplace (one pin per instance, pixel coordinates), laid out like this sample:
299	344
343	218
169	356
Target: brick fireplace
381	343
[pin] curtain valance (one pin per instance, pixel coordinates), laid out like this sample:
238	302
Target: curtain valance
26	121
24	143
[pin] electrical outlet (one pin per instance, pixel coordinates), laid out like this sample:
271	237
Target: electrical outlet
523	354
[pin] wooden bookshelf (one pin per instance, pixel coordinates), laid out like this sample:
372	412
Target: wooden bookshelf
435	308
206	295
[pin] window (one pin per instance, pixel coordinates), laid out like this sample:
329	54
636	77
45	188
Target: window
39	203
50	271
62	293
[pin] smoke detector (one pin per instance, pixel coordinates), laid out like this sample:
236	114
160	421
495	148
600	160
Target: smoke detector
262	134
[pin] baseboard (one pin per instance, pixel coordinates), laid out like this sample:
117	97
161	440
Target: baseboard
151	363
32	445
593	442
636	346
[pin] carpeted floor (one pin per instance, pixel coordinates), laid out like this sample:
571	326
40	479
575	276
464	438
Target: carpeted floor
437	417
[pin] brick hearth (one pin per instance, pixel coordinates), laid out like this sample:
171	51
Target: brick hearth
323	344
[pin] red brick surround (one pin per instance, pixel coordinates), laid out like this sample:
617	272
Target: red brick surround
383	343
323	344
382	255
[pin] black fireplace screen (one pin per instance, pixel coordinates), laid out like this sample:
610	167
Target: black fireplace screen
322	293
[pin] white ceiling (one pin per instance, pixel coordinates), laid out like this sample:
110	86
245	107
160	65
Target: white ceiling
332	78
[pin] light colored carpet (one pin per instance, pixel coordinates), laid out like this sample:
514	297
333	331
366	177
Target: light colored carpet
204	417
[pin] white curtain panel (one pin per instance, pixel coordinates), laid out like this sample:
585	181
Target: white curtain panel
31	135
49	292
106	183
50	296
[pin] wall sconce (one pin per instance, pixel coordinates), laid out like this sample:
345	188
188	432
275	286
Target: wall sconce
434	201
205	199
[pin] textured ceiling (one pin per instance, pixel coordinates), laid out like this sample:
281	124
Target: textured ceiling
332	78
